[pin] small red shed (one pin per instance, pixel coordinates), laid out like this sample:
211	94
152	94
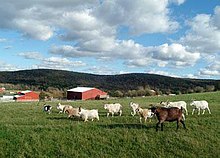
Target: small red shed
85	93
27	96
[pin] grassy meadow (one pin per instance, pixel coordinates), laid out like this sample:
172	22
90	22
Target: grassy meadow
26	131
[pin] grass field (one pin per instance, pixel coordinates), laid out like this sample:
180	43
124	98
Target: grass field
26	131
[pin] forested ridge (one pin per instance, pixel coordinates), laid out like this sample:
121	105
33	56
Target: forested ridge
42	79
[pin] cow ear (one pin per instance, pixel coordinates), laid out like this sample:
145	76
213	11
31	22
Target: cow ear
80	109
161	102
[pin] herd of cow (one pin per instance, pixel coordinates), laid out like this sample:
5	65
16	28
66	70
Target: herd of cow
164	111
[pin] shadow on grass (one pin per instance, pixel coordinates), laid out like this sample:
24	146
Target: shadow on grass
130	126
63	118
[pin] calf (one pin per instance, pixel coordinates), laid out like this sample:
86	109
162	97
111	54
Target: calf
203	104
47	108
144	113
88	114
113	108
134	107
168	114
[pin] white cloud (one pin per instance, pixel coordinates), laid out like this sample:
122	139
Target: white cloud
140	16
7	67
3	39
204	33
31	55
164	73
176	54
178	2
211	70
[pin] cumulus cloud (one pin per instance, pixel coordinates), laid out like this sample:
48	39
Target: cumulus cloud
204	33
136	55
211	70
61	63
140	16
175	53
51	62
178	2
7	67
31	55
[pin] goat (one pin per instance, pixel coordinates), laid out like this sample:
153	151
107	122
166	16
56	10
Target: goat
144	113
113	108
88	114
203	104
168	114
177	104
72	112
134	107
63	107
47	108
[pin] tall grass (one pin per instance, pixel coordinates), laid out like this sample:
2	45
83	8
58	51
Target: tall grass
26	131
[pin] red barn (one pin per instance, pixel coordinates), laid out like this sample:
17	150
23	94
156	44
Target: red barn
2	89
27	96
85	93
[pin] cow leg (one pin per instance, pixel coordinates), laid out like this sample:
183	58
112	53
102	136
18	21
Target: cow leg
107	114
203	112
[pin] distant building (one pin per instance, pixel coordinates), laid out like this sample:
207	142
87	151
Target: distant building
2	89
85	93
26	96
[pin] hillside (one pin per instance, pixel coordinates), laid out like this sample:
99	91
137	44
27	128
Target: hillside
44	78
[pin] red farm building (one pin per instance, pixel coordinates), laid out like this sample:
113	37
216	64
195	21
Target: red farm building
2	89
85	93
27	96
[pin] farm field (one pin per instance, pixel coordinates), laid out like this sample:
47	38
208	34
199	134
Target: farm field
26	131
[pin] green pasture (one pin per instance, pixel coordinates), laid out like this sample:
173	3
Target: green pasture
26	131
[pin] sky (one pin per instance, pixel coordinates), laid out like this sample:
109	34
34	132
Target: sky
178	38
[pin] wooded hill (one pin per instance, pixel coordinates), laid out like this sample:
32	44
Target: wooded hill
44	78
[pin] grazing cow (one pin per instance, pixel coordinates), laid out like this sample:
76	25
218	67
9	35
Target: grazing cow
134	107
113	108
177	104
144	113
168	114
88	114
63	107
200	105
47	108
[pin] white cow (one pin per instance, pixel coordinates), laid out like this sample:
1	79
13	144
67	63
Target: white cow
177	104
200	105
113	108
88	114
134	107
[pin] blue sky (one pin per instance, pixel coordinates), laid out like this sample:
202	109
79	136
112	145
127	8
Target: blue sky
179	38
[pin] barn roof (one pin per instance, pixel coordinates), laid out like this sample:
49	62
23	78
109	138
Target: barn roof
26	91
80	89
